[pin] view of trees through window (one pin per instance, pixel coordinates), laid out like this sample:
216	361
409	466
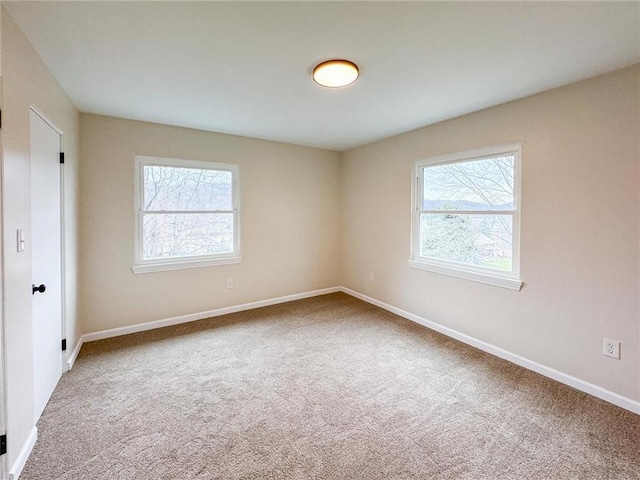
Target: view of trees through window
467	212
186	212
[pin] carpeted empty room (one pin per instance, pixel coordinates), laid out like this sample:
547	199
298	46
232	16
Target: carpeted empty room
324	388
319	240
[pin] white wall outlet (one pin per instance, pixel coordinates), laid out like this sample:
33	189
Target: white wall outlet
611	348
230	283
372	277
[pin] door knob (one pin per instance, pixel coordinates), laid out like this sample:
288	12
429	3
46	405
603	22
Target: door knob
40	289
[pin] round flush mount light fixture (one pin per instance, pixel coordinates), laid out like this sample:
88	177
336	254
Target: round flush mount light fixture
336	73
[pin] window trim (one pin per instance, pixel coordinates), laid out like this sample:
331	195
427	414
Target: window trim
475	273
178	263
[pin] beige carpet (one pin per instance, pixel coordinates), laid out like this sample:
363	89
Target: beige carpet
324	388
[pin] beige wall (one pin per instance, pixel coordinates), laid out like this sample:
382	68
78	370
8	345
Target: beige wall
290	223
313	219
580	229
28	82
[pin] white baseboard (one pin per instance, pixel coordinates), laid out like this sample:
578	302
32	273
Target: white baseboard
116	332
74	355
591	389
21	461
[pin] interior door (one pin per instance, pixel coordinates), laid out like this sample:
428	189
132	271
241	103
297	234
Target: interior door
46	245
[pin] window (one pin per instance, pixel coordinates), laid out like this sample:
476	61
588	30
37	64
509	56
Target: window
187	214
466	218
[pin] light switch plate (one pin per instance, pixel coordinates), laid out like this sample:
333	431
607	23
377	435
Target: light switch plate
20	242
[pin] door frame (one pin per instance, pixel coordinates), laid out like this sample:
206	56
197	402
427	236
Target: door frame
4	416
63	322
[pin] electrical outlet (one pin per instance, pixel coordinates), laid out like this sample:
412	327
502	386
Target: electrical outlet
230	283
611	348
371	277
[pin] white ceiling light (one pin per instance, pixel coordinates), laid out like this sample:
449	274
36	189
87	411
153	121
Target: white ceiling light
336	73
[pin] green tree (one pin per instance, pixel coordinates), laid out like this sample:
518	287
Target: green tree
449	237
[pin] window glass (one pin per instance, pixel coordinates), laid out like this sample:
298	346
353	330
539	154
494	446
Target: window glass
483	240
171	188
473	185
185	235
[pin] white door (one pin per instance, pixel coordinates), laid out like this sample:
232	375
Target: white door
46	256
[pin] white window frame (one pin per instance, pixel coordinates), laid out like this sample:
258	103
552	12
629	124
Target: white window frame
178	263
475	273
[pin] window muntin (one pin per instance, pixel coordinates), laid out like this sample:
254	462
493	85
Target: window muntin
466	218
187	214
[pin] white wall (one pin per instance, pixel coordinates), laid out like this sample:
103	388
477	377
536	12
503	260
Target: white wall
290	223
26	81
580	229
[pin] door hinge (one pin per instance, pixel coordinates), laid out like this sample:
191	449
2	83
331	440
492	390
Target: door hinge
0	118
61	157
64	344
3	444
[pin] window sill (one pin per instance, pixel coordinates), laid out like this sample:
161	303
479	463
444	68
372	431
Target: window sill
510	283
182	265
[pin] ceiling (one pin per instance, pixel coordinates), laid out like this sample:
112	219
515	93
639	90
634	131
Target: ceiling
244	68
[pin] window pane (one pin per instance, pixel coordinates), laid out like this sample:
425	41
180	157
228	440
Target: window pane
172	188
483	240
186	234
477	185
